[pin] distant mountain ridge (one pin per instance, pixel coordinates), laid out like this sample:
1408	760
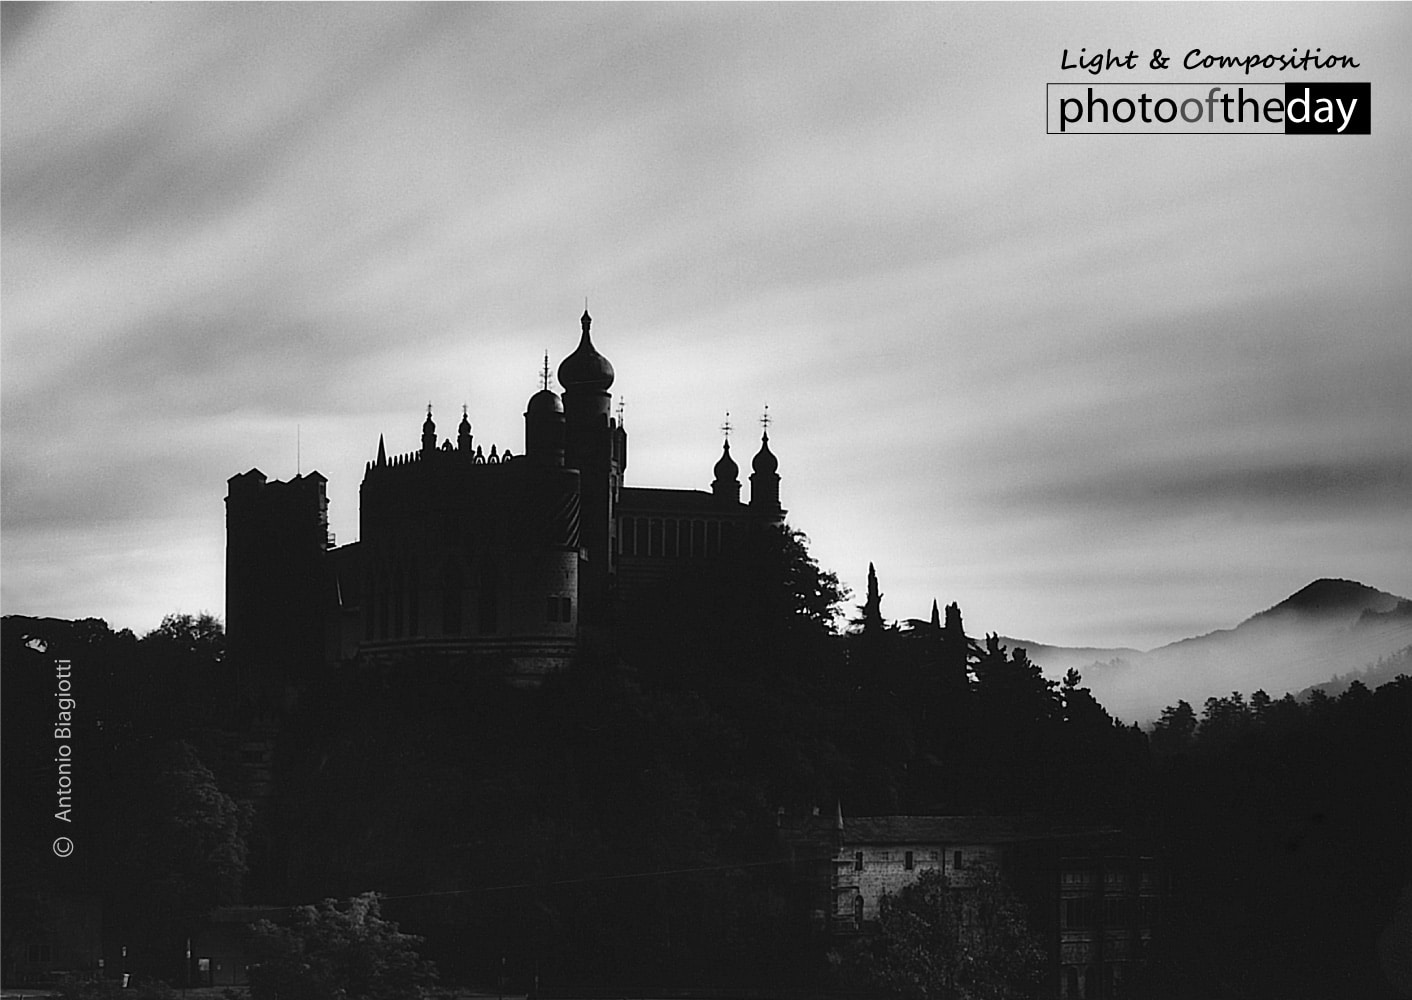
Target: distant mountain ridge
1327	628
1333	599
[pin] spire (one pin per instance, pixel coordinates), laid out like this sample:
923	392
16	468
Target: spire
544	372
936	616
463	432
726	485
382	453
765	479
429	432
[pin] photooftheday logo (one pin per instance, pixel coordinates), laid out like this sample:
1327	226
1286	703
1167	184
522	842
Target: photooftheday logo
1208	108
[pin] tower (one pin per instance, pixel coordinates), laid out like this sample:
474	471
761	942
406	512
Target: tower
429	433
765	479
544	424
726	486
276	579
593	444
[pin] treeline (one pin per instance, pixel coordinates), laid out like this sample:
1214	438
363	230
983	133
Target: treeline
617	825
155	833
1285	826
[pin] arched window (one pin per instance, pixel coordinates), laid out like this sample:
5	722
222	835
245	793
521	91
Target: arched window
858	910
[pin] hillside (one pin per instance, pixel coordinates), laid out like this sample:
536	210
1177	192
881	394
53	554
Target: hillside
1327	628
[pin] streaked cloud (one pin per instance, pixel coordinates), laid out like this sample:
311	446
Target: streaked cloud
1098	390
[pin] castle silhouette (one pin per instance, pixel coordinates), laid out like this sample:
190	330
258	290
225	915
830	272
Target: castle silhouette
508	562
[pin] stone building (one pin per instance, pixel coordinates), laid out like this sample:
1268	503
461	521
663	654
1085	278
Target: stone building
510	561
1092	898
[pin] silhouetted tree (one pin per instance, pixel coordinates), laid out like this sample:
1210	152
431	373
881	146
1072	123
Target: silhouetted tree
1174	730
338	952
870	620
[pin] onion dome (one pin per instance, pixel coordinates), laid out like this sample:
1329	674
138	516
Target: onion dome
765	461
585	370
465	426
429	427
726	470
544	401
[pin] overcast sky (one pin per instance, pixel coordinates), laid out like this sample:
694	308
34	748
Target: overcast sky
1109	390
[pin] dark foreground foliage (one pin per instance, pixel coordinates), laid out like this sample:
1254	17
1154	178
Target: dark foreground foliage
940	941
617	826
337	951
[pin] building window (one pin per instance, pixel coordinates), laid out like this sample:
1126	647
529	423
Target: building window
551	609
858	861
1078	912
1116	911
956	860
566	609
858	909
909	861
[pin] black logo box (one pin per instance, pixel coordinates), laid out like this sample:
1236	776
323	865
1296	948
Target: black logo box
1322	100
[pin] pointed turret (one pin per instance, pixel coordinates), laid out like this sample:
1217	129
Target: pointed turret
591	445
765	479
428	433
544	423
726	485
463	432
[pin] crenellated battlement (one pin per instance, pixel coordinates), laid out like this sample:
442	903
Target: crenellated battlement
446	456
